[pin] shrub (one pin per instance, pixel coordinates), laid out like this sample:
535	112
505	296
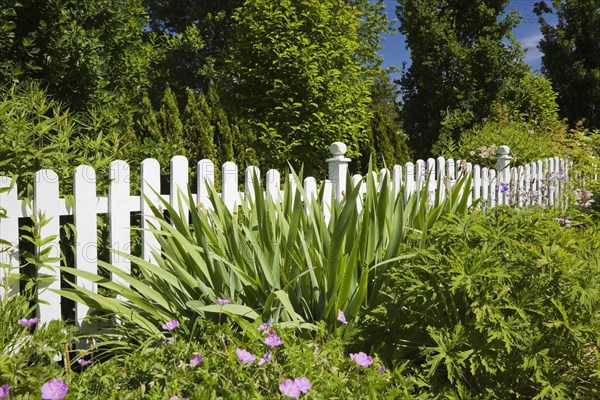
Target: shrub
503	305
527	142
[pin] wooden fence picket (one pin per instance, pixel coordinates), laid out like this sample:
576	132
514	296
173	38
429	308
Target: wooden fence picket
46	213
179	186
310	189
149	196
205	176
86	246
119	217
273	185
409	181
229	178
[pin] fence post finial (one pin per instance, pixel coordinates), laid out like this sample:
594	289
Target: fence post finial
338	169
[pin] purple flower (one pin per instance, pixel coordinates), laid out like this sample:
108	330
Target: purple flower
56	389
342	317
272	340
27	322
222	301
83	362
303	384
170	325
264	327
197	359
245	356
381	370
177	398
293	388
4	389
290	388
361	359
264	359
503	187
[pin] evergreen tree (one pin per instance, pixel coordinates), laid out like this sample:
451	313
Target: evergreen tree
199	133
388	137
147	122
223	133
571	57
463	55
169	122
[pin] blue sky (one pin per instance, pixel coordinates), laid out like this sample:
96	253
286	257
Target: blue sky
528	33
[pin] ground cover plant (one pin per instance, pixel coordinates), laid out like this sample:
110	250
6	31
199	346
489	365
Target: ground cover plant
503	305
216	363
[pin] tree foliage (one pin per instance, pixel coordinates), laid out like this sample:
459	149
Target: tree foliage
295	74
83	52
571	57
462	56
387	139
191	39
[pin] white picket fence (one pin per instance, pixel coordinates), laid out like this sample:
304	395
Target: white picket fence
540	182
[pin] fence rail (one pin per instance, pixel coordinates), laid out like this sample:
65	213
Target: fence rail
541	182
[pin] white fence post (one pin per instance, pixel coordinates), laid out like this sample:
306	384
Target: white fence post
338	169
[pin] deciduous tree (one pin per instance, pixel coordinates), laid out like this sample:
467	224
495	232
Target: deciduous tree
571	57
295	74
463	54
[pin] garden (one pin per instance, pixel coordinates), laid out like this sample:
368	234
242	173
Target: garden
399	300
134	264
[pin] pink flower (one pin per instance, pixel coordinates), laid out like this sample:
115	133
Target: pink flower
170	325
197	359
27	322
245	356
341	317
272	340
83	362
4	389
55	389
264	359
177	398
264	327
222	301
361	359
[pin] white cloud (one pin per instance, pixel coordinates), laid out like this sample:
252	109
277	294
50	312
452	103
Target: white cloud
531	41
